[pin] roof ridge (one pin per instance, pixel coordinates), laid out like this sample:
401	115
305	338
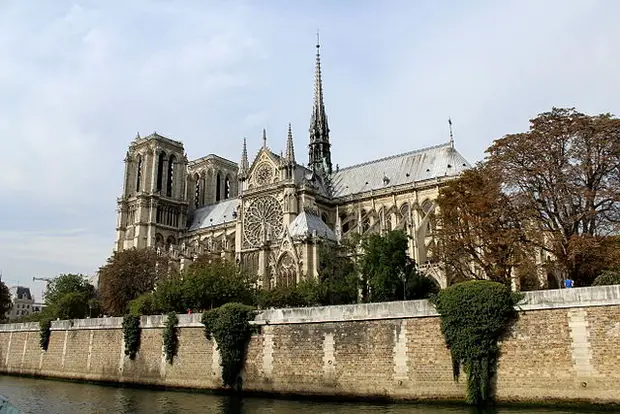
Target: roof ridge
394	156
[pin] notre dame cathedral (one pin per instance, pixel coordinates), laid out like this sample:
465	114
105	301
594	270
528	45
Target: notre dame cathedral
270	214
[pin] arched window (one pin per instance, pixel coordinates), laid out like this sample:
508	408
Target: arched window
160	170
171	163
139	173
218	187
159	241
286	271
227	187
197	202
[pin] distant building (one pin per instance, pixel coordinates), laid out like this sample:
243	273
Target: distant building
22	302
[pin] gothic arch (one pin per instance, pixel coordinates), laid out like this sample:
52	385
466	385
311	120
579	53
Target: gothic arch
218	186
139	173
170	241
198	191
227	188
286	270
161	159
159	241
170	176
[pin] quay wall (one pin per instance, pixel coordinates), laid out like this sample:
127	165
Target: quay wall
564	347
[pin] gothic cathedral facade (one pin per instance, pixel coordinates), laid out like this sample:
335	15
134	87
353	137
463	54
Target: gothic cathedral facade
271	214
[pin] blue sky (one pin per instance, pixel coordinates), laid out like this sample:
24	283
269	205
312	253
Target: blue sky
78	79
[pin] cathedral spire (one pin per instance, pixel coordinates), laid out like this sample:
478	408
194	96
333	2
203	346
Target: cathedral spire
244	165
264	138
451	137
290	150
319	148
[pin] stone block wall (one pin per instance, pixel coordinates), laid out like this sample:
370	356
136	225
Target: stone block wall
565	346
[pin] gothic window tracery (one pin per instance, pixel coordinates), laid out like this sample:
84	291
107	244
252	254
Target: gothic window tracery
264	174
286	271
262	221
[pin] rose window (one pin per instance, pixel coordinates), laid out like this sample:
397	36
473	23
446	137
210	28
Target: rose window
262	221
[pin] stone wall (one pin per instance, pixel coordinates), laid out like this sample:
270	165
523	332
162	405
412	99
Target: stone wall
565	346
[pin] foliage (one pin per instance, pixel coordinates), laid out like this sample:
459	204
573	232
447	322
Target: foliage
305	293
171	340
71	296
207	284
474	314
5	301
563	177
142	305
129	274
478	224
608	277
388	273
383	265
45	326
131	335
338	274
229	326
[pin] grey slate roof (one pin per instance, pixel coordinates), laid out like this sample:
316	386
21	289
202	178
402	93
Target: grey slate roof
214	214
306	223
424	164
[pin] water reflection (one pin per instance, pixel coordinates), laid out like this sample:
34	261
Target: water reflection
46	396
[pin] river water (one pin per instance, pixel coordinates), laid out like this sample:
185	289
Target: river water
48	396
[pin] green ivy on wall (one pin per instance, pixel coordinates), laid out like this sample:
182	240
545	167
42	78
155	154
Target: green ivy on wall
131	335
45	326
474	315
229	326
171	341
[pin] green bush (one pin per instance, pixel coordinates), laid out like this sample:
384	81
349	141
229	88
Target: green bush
171	340
474	315
229	326
131	335
607	277
142	305
45	326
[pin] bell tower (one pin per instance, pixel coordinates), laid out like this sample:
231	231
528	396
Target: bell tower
152	210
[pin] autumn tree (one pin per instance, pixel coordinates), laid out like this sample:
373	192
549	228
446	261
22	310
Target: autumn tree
479	234
565	175
129	274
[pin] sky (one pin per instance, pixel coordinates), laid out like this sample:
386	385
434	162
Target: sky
79	79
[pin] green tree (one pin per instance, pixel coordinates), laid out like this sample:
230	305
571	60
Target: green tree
129	274
70	296
5	301
388	273
338	276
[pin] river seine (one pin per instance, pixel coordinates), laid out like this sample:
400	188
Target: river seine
48	396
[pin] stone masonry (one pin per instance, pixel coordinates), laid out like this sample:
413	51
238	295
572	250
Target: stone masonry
564	347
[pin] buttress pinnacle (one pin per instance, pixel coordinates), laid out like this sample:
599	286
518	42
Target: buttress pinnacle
290	150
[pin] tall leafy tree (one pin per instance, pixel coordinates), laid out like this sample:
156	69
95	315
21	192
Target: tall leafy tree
565	174
338	276
388	273
129	274
70	296
5	301
478	226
